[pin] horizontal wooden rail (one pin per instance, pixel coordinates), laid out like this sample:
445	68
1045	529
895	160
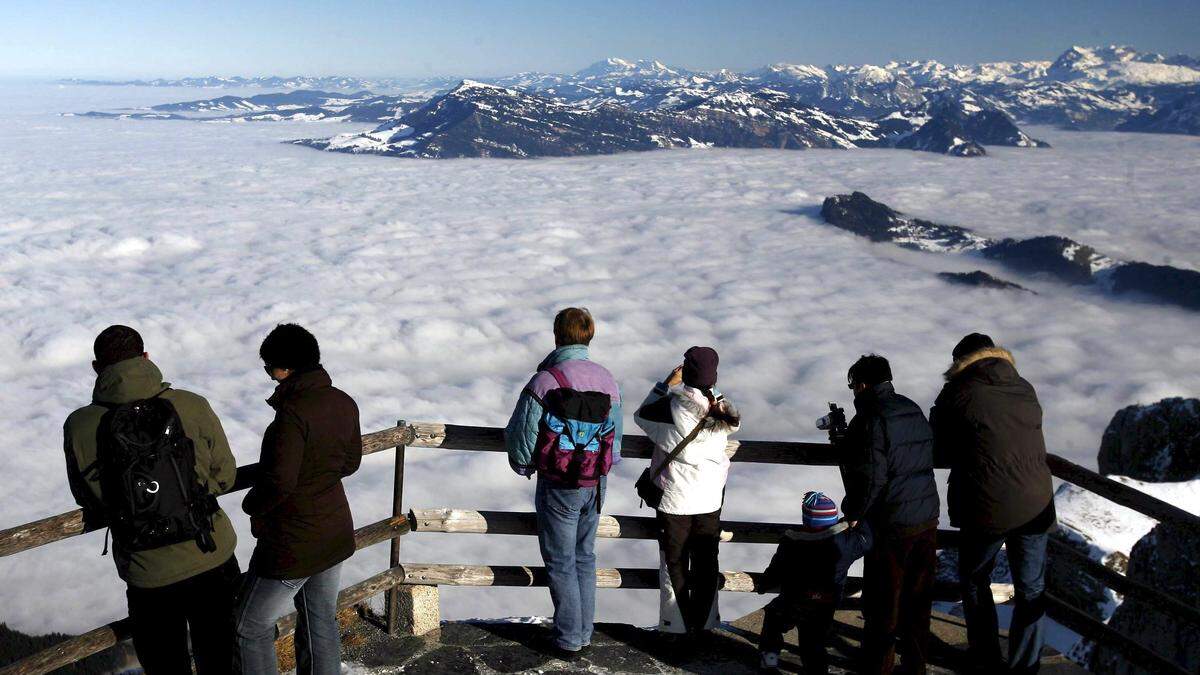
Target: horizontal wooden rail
97	640
466	521
491	439
432	574
70	524
436	574
1083	624
1123	584
1120	493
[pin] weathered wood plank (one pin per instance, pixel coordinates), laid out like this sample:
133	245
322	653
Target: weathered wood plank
379	532
70	524
71	650
624	577
466	521
40	532
350	596
517	575
1082	623
490	439
95	641
1121	494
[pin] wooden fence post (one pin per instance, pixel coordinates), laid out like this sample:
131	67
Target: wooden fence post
393	595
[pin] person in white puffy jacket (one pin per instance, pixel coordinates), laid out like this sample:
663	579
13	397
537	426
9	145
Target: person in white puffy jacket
693	484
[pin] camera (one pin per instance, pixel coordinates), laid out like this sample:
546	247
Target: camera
834	423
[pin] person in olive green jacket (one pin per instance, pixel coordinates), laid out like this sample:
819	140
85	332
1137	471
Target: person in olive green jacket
177	586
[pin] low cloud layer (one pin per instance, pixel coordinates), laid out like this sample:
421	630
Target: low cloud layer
431	285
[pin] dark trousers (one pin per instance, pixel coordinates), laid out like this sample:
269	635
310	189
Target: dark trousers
203	605
1027	563
689	546
898	577
812	621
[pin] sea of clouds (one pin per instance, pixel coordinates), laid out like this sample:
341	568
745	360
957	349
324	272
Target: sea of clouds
431	286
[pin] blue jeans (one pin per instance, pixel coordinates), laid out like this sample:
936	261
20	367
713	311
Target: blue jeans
567	519
318	640
1027	561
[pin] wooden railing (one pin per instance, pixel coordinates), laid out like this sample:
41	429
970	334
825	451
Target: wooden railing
487	439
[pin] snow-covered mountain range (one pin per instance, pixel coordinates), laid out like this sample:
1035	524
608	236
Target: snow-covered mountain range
1085	87
617	105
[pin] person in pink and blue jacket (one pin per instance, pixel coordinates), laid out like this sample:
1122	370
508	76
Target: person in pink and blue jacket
566	429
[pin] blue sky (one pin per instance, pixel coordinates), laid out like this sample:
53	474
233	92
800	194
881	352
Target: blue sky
374	38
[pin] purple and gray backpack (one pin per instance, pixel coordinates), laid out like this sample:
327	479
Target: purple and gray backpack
575	434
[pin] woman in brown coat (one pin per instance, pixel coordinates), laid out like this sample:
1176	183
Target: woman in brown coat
298	509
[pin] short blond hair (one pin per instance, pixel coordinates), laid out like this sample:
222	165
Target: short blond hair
573	326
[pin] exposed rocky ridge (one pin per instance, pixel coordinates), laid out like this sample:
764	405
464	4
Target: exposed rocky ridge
1181	116
1059	258
981	279
301	105
260	102
956	122
1172	284
772	119
1158	442
481	120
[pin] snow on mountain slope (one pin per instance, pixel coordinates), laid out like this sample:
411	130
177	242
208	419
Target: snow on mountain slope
1181	116
1109	528
1118	66
482	120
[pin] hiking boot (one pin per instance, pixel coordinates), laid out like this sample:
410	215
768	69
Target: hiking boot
768	661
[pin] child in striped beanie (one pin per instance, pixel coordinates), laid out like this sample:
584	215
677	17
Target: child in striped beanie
809	569
820	511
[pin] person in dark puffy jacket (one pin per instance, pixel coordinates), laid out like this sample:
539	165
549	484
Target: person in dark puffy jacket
987	424
298	510
809	569
887	469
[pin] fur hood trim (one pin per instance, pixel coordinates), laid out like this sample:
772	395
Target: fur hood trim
974	357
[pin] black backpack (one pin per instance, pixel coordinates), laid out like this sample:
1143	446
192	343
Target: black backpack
147	467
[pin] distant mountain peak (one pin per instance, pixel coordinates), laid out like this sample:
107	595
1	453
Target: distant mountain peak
613	66
469	85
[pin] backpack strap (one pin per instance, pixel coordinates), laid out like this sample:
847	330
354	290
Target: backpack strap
559	377
679	448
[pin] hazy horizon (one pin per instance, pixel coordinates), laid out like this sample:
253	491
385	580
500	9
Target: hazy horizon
366	38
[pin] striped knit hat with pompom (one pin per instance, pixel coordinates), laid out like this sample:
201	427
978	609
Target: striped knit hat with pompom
819	511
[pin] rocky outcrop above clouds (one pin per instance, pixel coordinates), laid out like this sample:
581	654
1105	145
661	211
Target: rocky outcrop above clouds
980	279
1157	442
1154	449
1052	257
955	122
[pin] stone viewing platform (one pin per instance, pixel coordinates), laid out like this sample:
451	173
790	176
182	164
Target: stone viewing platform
486	647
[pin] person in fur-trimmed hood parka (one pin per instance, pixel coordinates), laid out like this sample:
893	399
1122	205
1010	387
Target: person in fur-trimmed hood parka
693	484
987	427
